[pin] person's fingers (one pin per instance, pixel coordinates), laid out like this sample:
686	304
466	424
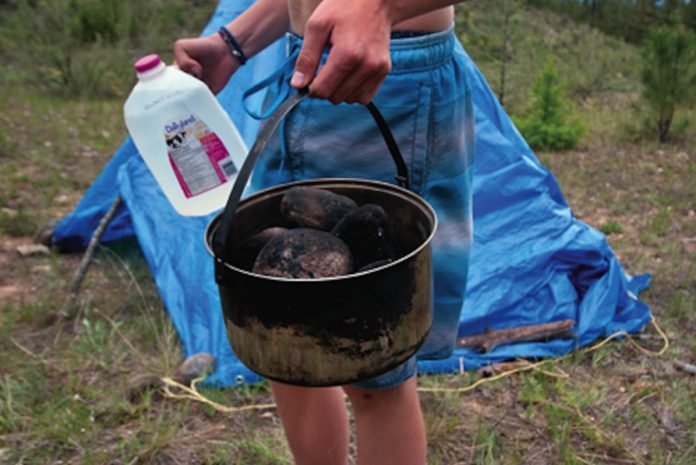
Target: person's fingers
353	89
366	83
349	67
364	93
341	62
337	89
316	37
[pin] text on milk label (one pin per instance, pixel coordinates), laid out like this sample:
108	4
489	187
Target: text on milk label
198	156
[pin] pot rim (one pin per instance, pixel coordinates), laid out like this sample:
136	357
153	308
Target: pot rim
214	223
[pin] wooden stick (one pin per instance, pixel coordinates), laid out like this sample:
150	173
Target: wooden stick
87	258
492	338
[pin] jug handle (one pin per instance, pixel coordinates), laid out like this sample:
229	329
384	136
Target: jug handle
265	133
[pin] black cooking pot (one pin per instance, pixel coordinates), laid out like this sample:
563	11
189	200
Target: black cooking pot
326	331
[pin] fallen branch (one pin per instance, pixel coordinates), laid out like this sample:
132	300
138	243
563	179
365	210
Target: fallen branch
492	338
87	259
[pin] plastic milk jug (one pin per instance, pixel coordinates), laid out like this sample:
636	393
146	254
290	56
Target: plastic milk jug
185	137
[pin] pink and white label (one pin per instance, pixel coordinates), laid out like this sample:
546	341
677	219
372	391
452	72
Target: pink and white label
197	155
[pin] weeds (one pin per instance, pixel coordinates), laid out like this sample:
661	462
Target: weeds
613	227
487	445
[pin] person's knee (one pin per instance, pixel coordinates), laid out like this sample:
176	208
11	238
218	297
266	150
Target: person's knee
364	399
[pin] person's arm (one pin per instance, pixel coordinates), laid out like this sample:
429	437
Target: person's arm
358	32
209	59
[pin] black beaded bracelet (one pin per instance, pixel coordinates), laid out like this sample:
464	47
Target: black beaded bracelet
232	45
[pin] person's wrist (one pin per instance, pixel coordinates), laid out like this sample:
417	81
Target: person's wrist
232	45
244	37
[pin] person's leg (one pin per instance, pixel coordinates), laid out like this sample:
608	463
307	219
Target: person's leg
389	424
315	421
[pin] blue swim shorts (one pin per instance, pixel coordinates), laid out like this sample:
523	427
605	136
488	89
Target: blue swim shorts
426	100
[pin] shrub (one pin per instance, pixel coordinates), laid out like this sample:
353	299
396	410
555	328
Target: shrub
668	75
548	126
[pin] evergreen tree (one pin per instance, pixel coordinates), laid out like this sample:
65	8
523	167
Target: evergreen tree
548	126
668	74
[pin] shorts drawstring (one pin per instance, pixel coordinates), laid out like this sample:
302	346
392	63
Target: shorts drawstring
281	79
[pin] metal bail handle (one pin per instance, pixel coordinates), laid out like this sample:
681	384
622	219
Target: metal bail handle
264	135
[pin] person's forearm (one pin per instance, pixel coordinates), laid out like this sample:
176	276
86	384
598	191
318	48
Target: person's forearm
260	25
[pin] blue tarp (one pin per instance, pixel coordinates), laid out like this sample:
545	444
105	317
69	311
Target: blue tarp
532	261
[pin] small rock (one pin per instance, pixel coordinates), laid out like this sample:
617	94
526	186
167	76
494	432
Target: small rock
33	249
309	207
41	269
197	365
667	419
9	212
61	199
45	233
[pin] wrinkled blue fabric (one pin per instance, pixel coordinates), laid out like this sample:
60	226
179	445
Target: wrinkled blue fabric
532	262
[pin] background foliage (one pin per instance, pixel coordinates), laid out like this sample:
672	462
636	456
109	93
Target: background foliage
85	47
668	74
551	124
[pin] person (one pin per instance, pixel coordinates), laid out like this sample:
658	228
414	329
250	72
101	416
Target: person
404	57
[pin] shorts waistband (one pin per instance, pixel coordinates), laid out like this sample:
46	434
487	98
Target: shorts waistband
408	54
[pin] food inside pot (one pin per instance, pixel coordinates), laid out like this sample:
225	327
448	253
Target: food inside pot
249	249
323	234
304	253
369	235
309	207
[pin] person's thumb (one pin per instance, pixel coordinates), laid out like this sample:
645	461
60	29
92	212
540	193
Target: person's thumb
315	39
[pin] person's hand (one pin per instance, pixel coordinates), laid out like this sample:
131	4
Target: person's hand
358	62
206	58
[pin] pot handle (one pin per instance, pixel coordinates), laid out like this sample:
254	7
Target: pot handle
265	133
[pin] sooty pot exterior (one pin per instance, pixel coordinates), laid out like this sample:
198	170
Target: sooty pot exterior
330	331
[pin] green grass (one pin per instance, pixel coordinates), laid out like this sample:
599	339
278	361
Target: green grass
612	227
488	444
